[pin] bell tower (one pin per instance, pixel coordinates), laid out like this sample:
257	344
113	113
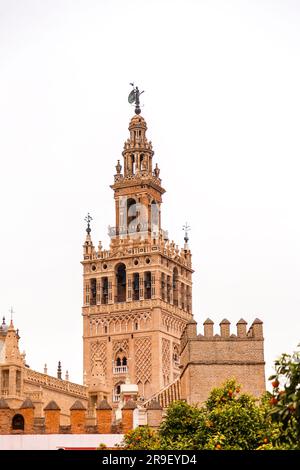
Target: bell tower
137	295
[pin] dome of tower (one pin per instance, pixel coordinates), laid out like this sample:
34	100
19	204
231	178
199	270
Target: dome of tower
137	121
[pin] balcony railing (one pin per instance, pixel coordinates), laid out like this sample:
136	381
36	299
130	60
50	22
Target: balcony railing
116	398
120	370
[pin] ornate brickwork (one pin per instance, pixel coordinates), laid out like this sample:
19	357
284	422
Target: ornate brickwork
122	345
143	359
114	323
166	358
172	323
98	354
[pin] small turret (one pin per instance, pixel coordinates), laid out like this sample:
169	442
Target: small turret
225	328
208	328
241	328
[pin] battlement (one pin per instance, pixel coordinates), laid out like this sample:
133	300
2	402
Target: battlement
255	332
209	358
101	420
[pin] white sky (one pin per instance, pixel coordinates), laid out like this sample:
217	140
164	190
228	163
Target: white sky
222	101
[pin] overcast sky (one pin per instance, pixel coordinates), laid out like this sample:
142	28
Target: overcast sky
222	101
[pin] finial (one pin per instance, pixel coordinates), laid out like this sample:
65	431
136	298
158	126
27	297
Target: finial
134	97
59	370
67	376
156	171
186	229
3	320
11	311
118	167
45	369
88	219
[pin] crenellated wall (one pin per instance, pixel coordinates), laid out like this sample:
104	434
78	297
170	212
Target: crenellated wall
24	420
209	359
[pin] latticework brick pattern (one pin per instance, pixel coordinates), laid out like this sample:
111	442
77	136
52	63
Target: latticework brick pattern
143	359
166	359
98	355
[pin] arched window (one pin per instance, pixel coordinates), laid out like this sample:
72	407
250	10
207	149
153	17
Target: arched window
93	291
131	164
175	286
136	286
118	362
104	293
18	422
176	355
154	219
131	214
147	283
121	282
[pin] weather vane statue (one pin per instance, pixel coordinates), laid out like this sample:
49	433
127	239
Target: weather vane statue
134	97
88	219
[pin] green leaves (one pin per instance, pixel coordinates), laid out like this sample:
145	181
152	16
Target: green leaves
230	420
285	402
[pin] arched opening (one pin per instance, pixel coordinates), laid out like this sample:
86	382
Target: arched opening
143	162
120	365
182	296
93	291
117	391
131	164
131	214
121	282
104	289
147	285
169	289
176	355
163	285
18	422
175	286
136	286
154	219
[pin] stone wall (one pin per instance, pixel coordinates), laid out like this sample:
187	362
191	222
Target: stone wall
209	360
